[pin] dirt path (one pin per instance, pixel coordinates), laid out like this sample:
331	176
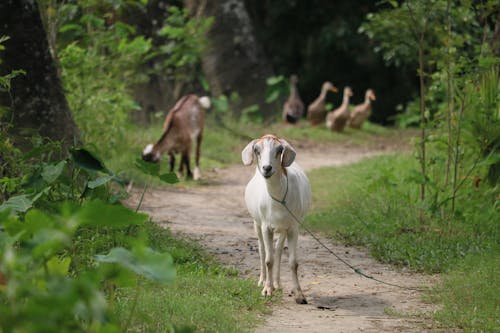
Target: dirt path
339	300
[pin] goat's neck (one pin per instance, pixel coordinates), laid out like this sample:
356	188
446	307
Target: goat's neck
165	142
277	185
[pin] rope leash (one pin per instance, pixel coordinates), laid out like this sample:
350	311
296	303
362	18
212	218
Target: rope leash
356	270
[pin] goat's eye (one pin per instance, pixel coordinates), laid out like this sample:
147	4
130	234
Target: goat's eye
279	150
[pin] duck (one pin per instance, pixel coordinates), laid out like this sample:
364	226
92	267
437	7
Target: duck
316	111
336	120
293	108
361	112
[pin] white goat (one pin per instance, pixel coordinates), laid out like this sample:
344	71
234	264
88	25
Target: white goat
278	180
183	125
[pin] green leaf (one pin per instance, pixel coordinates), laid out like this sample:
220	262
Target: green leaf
152	169
58	266
98	213
393	3
47	242
51	172
86	160
491	159
221	104
71	27
36	220
153	265
99	181
204	83
17	204
170	178
22	203
275	80
272	96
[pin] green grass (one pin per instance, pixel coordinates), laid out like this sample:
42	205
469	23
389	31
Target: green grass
374	204
204	296
470	294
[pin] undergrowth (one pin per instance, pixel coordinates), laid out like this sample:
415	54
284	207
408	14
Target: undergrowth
374	204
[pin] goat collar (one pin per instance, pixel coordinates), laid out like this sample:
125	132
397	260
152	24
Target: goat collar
282	201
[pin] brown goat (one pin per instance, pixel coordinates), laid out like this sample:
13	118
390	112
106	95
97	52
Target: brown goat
183	125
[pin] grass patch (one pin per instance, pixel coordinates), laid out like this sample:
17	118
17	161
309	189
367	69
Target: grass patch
374	204
470	294
204	296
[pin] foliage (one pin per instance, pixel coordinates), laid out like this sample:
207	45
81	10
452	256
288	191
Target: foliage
38	292
185	41
97	75
485	125
277	86
449	45
373	204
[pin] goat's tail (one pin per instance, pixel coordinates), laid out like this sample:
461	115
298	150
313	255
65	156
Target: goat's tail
205	102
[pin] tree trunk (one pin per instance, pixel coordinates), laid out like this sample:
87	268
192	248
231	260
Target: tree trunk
36	99
234	62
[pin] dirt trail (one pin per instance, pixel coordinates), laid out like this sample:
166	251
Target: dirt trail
339	300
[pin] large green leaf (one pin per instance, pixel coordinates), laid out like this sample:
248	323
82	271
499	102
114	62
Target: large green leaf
17	204
86	160
98	213
170	178
51	172
21	203
99	181
152	169
153	265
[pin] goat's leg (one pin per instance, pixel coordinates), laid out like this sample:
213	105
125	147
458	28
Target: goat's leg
172	161
293	236
277	260
197	172
267	235
185	161
262	253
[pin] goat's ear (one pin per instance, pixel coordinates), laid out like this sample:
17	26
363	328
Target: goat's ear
247	153
288	155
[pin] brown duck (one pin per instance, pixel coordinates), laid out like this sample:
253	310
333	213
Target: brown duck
316	111
336	120
293	108
361	112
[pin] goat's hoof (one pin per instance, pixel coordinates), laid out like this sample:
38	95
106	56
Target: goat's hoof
267	291
197	174
301	300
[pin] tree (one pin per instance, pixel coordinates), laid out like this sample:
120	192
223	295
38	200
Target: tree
234	60
36	99
451	44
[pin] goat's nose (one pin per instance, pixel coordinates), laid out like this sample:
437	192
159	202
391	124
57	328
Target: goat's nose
267	168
